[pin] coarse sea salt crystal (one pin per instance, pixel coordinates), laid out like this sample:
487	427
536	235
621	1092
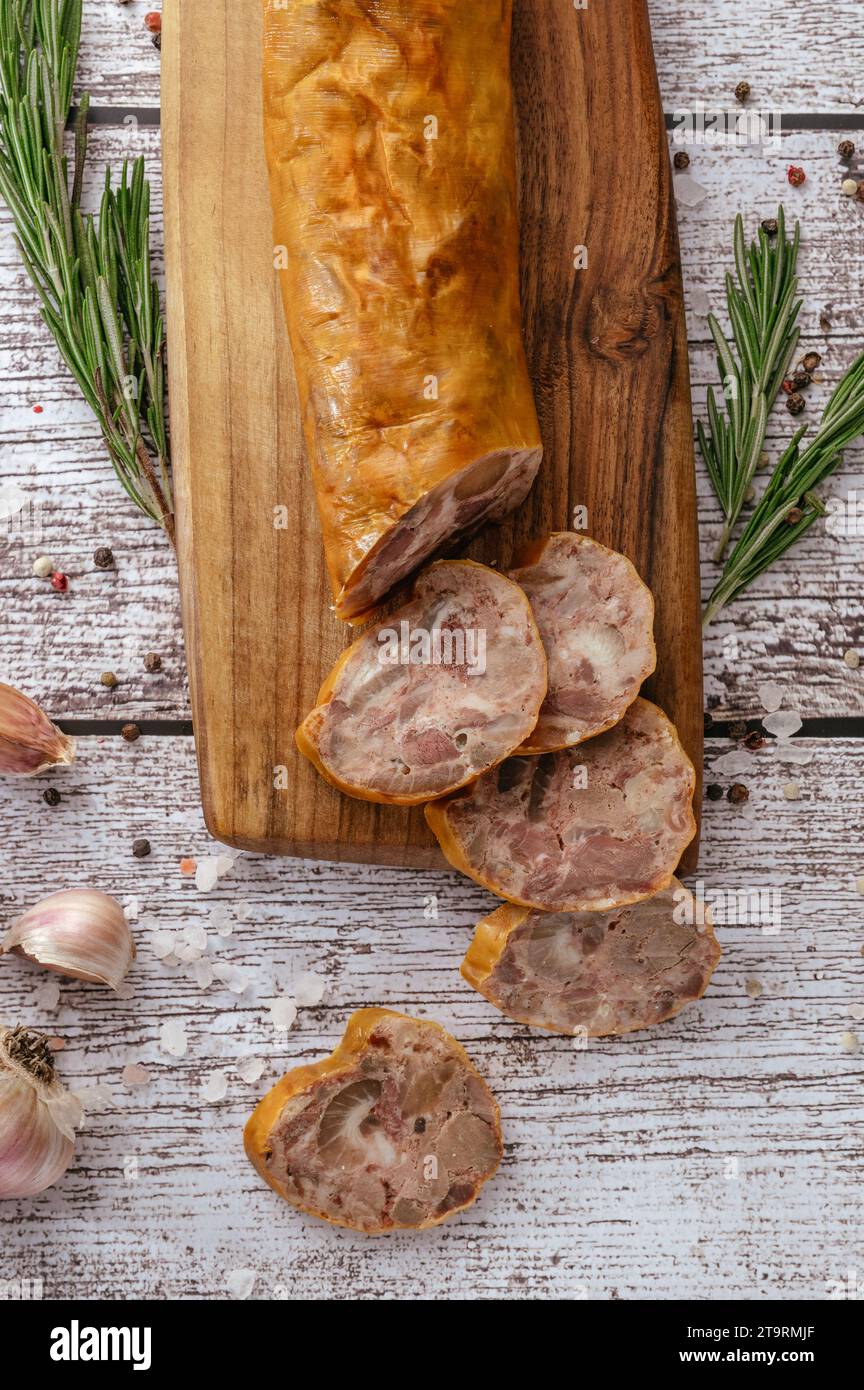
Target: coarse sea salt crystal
244	911
202	973
47	996
700	303
251	1069
135	1075
309	989
173	1038
783	723
215	1087
856	1011
224	864
206	874
220	920
770	695
240	1282
162	943
196	936
95	1099
230	976
283	1012
792	753
728	764
688	192
131	907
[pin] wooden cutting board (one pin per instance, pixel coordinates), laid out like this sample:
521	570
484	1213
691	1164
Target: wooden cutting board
606	346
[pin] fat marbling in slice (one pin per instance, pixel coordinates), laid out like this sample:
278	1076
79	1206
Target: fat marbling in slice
596	618
396	1129
390	142
595	973
585	829
434	694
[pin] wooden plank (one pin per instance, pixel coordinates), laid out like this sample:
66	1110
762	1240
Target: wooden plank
692	1161
703	51
794	625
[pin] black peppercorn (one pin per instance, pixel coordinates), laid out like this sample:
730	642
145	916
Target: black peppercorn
141	848
681	160
742	91
130	732
738	728
754	740
152	662
51	796
714	791
846	149
795	403
800	378
104	558
737	794
770	227
794	516
810	361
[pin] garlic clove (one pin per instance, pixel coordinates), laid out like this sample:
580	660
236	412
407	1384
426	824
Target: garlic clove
37	1134
80	932
29	742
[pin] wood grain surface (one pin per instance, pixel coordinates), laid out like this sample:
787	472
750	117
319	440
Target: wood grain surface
606	345
716	1157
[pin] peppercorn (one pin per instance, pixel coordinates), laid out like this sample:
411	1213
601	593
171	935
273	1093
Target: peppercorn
794	516
800	378
737	794
795	403
708	721
742	91
770	226
108	678
714	791
859	193
51	796
157	40
130	732
795	175
846	149
152	662
810	361
153	21
681	160
754	740
788	385
849	188
738	728
59	582
104	558
141	848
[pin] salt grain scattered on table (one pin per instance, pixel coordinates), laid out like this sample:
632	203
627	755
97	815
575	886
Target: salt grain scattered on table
173	1038
251	1069
221	921
730	764
240	1282
206	874
699	302
856	1011
94	1100
215	1088
131	907
283	1012
792	753
47	996
688	192
770	695
849	1042
230	976
309	989
202	973
754	988
162	944
243	911
135	1075
791	791
783	723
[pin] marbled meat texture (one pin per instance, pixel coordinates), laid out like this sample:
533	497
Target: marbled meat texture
390	144
595	973
581	830
596	618
438	692
395	1129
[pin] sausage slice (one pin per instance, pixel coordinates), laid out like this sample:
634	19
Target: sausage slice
435	694
596	618
390	142
595	973
582	830
395	1129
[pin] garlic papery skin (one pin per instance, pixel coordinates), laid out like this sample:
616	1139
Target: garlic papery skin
80	932
29	742
37	1135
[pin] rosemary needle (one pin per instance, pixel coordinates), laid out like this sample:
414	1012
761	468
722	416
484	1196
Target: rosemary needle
92	275
763	310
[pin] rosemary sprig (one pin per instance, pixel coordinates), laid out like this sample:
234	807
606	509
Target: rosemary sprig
92	275
788	506
762	312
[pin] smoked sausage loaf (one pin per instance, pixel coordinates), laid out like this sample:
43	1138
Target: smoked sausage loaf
596	618
395	1129
595	973
439	691
582	830
390	144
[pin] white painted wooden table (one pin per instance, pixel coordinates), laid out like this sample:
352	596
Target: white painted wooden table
718	1156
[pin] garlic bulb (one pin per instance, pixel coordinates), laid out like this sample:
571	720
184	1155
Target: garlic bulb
29	742
80	932
37	1115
